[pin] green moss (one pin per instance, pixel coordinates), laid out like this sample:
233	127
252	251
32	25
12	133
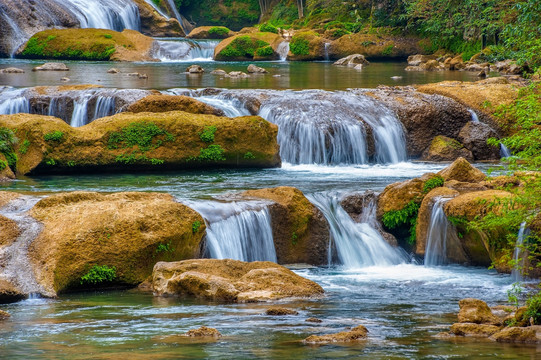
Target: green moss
243	46
265	27
388	50
249	155
404	217
265	51
219	30
212	153
141	134
165	248
207	135
23	149
55	136
99	274
7	142
196	225
3	165
432	183
299	45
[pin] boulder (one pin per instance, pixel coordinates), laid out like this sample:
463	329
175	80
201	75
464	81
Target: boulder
476	204
443	148
397	195
474	136
210	32
4	315
375	46
474	330
113	71
237	74
9	293
465	187
65	79
219	72
352	60
358	333
155	25
416	60
51	67
299	229
307	46
477	312
165	103
431	65
248	46
280	311
230	280
6	174
454	63
256	69
195	69
203	331
530	334
462	170
11	70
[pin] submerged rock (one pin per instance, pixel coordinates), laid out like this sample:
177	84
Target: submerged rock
474	330
203	331
256	69
356	334
219	72
51	67
165	103
11	70
280	311
230	280
113	71
530	334
237	74
352	60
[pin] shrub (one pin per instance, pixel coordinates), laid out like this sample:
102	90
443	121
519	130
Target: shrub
243	46
207	135
533	310
212	153
164	248
219	30
7	141
388	50
404	217
268	28
299	45
99	274
265	51
432	183
3	165
54	136
249	155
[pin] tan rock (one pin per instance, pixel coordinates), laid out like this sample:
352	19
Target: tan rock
462	170
4	315
465	187
165	103
416	60
477	312
443	148
358	333
230	280
476	204
9	231
9	292
155	25
219	72
280	311
203	331
352	60
51	67
314	320
195	69
6	174
6	197
11	70
530	334
256	69
397	195
474	330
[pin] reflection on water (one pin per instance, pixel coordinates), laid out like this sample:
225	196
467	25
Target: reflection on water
282	75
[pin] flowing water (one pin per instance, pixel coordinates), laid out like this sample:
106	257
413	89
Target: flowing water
518	255
504	151
182	50
436	243
474	117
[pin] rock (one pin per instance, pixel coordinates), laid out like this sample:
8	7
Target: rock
314	46
443	148
133	74
11	70
416	60
143	76
4	315
462	170
155	25
358	67
203	331
314	320
219	72
483	73
465	187
6	197
177	145
475	67
397	195
195	69
230	280
165	103
248	46
474	330
299	229
356	334
51	67
474	136
113	71
9	231
210	32
476	204
530	334
65	79
124	231
237	74
477	312
6	174
352	60
280	311
9	292
431	65
375	46
256	69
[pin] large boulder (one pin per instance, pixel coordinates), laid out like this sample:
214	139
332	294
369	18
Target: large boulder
230	280
51	66
300	231
477	312
9	292
210	32
154	24
165	103
462	170
474	330
477	204
374	46
530	334
86	234
127	141
250	46
307	46
474	136
358	333
443	148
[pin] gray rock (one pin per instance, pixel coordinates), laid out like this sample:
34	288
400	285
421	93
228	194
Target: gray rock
113	71
474	136
256	69
11	70
352	60
219	72
51	66
195	69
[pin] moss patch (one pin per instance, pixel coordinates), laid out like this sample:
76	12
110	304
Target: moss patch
248	47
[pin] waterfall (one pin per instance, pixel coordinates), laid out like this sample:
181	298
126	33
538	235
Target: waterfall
474	117
105	14
504	151
158	9
229	107
79	117
357	244
237	230
185	50
15	266
105	106
13	102
518	267
283	50
326	51
436	243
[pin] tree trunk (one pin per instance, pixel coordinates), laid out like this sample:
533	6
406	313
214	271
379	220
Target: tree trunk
300	7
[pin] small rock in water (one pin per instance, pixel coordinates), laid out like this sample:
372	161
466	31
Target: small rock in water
256	69
237	74
203	331
396	77
218	72
483	73
51	67
11	70
355	334
4	315
277	75
143	76
314	320
65	79
280	311
134	74
195	69
113	71
352	60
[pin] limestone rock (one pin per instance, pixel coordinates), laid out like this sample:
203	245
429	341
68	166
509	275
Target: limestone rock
155	25
256	69
474	137
143	76
280	311
230	280
530	334
165	103
314	320
352	60
9	293
204	32
195	69
203	331
475	204
4	315
113	71
397	195
51	67
416	60
11	70
237	74
462	170
375	46
474	330
477	312
356	334
6	174
219	72
443	148
465	187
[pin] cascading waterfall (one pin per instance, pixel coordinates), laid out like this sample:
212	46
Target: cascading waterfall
436	243
517	272
283	50
326	51
232	107
105	14
13	102
183	50
357	244
79	116
157	8
237	230
504	151
474	117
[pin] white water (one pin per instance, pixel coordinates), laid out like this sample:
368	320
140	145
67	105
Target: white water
183	50
436	242
13	102
517	272
326	51
283	50
237	230
504	151
79	117
474	117
358	245
105	14
158	9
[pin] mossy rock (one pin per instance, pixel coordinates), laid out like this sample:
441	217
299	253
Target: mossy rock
142	141
210	32
443	148
88	44
248	46
166	103
374	46
306	46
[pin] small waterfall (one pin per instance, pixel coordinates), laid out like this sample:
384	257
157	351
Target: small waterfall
79	117
105	106
238	230
517	272
13	102
436	243
157	8
185	50
229	107
504	151
326	51
105	14
15	266
358	244
474	117
283	50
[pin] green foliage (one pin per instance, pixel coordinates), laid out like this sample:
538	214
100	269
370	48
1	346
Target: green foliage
3	164
266	27
7	141
207	135
388	50
55	136
99	274
294	238
265	51
50	162
219	30
249	155
234	14
243	46
213	152
165	248
432	183
23	149
404	217
196	225
299	45
142	134
108	36
533	310
514	294
134	158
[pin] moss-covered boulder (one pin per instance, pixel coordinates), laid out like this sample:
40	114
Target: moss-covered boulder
462	170
474	330
230	280
210	32
88	44
300	231
150	141
443	148
165	103
307	46
249	46
375	46
93	240
476	311
530	335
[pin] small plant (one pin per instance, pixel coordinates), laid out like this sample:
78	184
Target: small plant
388	50
533	310
3	165
141	134
207	135
404	217
299	46
108	36
249	155
196	225
268	28
164	248
50	162
70	163
219	30
99	274
294	238
155	161
54	136
212	153
23	149
513	294
432	183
